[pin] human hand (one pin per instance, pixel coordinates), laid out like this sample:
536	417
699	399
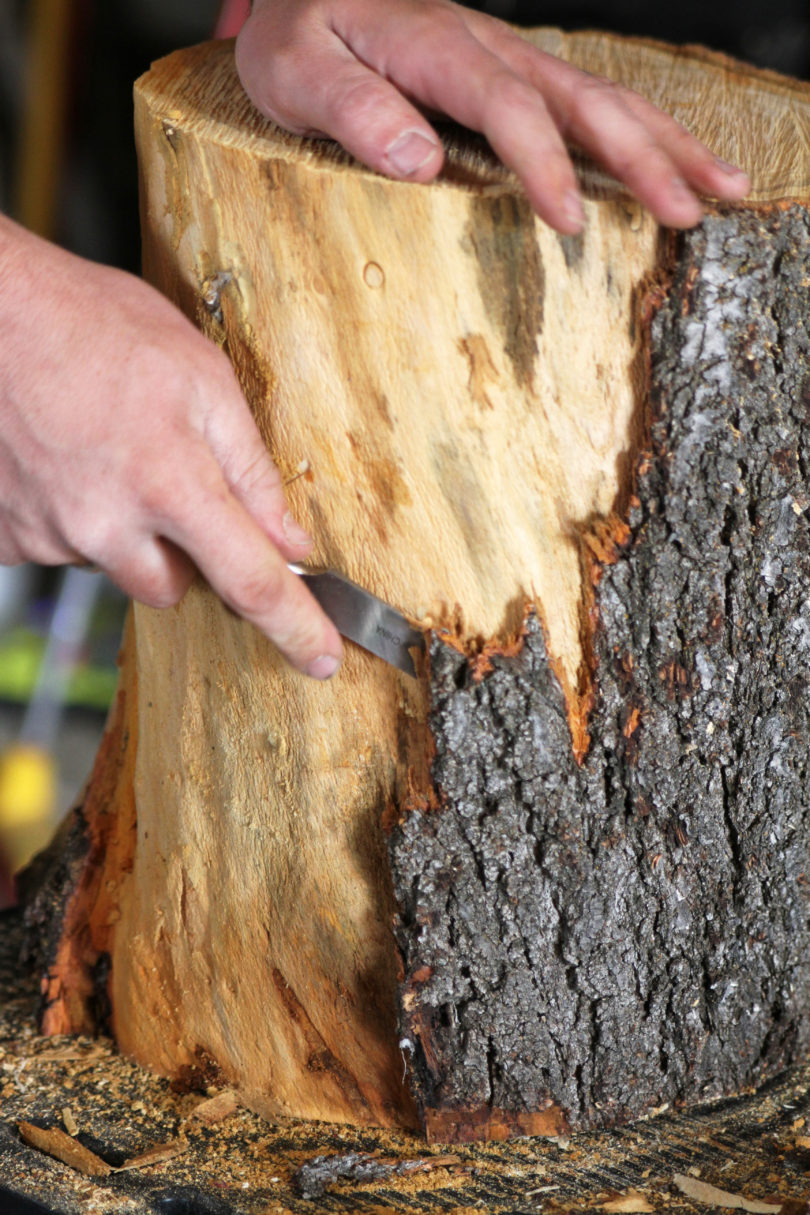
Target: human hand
125	442
357	69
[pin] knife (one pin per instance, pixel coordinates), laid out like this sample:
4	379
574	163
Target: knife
362	617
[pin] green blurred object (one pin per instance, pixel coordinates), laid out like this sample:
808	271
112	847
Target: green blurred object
90	686
92	674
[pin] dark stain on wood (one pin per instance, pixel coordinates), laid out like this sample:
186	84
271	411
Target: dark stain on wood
573	250
320	1057
489	1125
197	1076
511	279
382	471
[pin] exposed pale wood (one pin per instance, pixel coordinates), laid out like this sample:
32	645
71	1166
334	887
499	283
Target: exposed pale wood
456	397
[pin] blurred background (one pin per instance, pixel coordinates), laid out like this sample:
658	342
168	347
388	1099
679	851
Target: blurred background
67	170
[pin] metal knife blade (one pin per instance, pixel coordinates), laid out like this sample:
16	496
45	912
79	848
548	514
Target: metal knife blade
362	617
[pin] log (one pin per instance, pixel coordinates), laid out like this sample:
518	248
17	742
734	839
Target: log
579	466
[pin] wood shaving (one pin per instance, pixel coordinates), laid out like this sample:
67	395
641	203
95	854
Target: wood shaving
632	1201
157	1154
59	1145
216	1108
70	1054
701	1191
69	1121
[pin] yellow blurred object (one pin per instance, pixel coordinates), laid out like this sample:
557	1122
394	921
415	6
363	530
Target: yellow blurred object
28	792
28	768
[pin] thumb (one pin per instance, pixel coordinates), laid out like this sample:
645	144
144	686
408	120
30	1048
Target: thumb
313	82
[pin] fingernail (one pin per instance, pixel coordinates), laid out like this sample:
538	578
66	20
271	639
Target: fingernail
732	170
294	531
410	151
323	667
573	209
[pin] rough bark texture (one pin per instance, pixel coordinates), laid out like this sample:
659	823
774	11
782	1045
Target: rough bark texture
606	938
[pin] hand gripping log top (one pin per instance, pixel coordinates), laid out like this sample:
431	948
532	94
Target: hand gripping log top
579	465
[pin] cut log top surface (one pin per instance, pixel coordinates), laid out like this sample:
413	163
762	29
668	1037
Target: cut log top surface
750	117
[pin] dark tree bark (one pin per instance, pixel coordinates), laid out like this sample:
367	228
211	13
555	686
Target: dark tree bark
634	931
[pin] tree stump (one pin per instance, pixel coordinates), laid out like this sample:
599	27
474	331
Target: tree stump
579	465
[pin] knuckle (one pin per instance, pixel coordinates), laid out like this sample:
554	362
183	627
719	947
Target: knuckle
589	96
268	98
161	576
260	474
259	592
156	591
157	358
156	489
274	83
508	92
595	97
438	21
173	492
91	532
362	100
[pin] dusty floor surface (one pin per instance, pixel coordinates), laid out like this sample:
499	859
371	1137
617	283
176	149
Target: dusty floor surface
199	1154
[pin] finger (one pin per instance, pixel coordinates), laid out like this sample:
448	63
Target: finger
597	118
318	85
155	572
443	65
252	476
641	145
699	166
247	571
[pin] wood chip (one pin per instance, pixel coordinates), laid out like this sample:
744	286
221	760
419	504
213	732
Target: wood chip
71	1054
633	1200
56	1143
69	1121
157	1154
802	1141
215	1109
701	1191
